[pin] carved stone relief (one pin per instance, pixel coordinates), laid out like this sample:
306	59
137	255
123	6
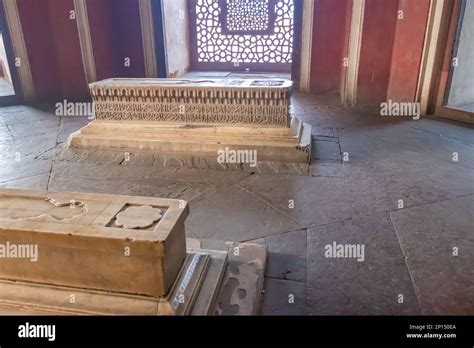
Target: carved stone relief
254	102
28	208
138	217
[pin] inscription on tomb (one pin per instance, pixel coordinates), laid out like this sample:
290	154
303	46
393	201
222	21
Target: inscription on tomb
244	101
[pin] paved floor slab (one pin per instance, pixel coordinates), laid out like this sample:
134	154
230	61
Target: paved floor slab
283	297
372	282
438	243
308	200
233	214
286	255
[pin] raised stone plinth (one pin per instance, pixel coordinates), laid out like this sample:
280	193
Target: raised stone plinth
196	117
281	144
211	101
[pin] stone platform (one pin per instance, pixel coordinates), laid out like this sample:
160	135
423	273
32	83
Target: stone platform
196	117
279	144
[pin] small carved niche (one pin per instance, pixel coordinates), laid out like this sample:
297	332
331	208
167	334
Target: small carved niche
138	217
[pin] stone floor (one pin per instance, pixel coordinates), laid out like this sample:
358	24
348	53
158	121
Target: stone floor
402	189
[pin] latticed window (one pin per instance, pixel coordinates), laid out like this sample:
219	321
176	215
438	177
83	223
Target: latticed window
240	34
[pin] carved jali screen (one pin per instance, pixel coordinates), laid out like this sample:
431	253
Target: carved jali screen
241	34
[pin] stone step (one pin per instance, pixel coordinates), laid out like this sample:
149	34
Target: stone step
190	137
271	143
196	128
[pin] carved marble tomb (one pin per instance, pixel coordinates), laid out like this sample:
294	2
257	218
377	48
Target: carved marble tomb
196	117
110	254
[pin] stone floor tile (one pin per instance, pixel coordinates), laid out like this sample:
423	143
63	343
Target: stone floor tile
70	125
347	286
308	200
31	146
18	114
327	169
235	215
188	191
327	132
374	191
283	297
28	129
14	170
37	182
438	243
326	150
286	256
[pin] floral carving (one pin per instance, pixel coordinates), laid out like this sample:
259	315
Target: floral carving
138	217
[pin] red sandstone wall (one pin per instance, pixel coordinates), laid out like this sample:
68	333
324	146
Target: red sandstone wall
116	34
378	35
329	43
102	32
54	53
408	49
68	50
34	16
129	35
391	48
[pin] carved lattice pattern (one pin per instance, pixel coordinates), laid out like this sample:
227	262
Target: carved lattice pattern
236	32
247	16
